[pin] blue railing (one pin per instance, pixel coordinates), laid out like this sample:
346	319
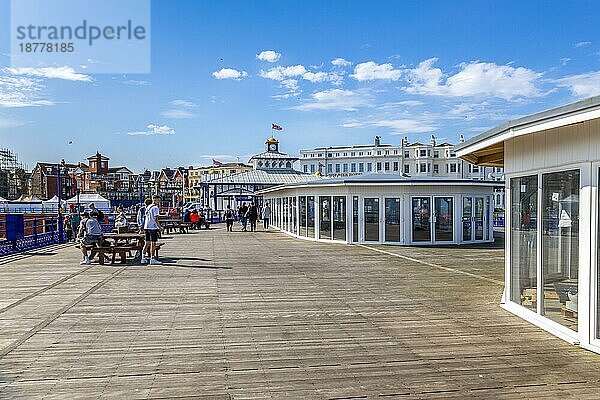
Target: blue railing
28	233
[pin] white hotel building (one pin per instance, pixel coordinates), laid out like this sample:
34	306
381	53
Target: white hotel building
408	159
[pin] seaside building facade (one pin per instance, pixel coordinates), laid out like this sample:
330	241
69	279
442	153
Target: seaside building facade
269	168
413	159
552	166
199	175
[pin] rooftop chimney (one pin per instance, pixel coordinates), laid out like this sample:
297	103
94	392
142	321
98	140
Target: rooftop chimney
377	141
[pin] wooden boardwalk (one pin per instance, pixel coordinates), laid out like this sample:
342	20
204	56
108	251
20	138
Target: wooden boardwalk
262	315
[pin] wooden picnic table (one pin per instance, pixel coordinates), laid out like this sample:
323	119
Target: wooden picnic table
174	224
121	244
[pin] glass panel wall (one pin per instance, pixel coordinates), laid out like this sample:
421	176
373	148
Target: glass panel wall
421	222
467	220
444	231
392	220
355	219
310	217
339	217
371	219
303	231
523	241
560	246
325	217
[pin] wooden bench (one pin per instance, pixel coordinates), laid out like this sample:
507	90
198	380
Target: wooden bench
101	251
121	250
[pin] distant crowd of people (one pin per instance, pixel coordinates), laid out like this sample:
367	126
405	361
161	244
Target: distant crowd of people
248	214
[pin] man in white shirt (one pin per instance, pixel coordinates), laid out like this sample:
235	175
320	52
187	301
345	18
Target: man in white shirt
151	229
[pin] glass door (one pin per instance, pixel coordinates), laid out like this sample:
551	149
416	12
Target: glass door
310	217
421	219
467	219
479	218
339	218
325	217
444	221
355	219
392	220
303	231
371	219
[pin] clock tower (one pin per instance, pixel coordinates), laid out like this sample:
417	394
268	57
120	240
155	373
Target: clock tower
272	145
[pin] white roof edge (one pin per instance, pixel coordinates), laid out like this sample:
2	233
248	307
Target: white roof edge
466	182
562	116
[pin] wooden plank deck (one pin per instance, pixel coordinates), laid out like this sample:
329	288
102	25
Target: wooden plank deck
262	315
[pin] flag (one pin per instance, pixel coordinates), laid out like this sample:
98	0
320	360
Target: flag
276	127
217	163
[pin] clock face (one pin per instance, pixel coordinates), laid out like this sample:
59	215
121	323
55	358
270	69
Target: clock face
272	147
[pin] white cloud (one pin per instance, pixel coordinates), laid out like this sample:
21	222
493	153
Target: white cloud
283	74
269	56
582	44
340	62
229	73
582	85
181	109
280	73
65	73
402	126
410	103
183	103
398	126
177	114
8	122
22	87
370	71
154	129
564	61
474	79
21	91
134	82
335	99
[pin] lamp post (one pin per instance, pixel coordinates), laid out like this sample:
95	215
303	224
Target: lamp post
140	185
60	166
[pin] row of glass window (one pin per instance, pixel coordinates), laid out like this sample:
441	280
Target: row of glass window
546	207
417	153
385	166
432	218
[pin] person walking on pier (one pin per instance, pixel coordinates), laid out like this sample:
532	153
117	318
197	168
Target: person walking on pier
229	219
266	215
242	210
151	228
68	227
252	216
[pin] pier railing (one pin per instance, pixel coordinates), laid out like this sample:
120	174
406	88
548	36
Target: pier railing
20	232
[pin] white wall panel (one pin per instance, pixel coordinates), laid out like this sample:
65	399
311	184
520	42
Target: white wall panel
553	147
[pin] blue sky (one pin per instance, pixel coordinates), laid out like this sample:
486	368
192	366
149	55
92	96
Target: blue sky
331	73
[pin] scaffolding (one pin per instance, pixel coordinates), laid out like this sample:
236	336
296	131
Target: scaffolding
9	161
12	174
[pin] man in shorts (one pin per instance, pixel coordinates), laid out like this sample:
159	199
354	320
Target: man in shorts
151	228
